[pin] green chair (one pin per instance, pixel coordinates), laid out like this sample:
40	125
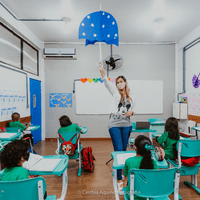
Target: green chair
131	140
188	148
30	189
156	184
67	136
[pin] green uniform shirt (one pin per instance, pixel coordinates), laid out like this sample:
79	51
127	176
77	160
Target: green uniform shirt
17	124
70	128
134	163
168	145
14	174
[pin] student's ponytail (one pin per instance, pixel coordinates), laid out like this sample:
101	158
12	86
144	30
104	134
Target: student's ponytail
146	162
143	145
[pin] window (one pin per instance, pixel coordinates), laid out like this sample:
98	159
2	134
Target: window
30	60
10	48
16	52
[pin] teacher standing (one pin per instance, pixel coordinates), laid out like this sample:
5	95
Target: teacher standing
121	109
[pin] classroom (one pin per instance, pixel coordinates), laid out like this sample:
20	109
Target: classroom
49	67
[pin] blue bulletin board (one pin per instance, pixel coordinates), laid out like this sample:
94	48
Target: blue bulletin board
60	100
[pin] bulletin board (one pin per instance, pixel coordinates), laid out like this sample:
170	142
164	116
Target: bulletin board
94	98
12	94
192	63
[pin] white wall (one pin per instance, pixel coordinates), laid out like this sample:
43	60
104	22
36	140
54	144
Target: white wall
20	29
140	63
179	65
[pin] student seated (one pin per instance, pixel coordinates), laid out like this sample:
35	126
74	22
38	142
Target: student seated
142	160
13	156
67	126
170	137
16	122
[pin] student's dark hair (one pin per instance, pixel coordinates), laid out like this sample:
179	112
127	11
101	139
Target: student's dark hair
140	142
12	153
64	121
15	116
171	126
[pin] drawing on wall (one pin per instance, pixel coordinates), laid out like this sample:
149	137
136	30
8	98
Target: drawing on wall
60	100
196	81
194	104
10	100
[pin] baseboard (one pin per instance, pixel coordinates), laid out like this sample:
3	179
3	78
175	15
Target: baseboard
82	139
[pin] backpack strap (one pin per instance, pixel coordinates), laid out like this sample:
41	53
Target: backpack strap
71	139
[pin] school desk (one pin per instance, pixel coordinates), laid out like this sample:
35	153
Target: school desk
60	169
84	130
161	164
4	136
32	128
196	128
142	131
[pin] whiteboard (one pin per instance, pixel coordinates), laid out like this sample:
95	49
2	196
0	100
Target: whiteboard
94	98
192	63
12	94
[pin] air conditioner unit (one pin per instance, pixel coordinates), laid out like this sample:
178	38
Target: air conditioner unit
60	53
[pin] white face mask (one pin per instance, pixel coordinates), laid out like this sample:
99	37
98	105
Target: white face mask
121	85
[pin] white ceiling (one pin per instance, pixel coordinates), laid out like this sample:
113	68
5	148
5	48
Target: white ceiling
138	20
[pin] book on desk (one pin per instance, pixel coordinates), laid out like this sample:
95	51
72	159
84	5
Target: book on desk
38	163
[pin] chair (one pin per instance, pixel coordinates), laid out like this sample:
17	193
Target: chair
188	148
190	125
131	140
31	189
67	136
156	184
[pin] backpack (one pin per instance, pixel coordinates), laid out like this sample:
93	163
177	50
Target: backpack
68	148
186	161
160	153
2	129
87	159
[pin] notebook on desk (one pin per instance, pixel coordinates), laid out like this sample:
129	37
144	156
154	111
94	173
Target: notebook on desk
38	163
142	125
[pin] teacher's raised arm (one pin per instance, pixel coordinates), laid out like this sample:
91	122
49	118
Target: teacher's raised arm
121	109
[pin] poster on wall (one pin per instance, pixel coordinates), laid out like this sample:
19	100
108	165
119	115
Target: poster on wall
194	104
60	100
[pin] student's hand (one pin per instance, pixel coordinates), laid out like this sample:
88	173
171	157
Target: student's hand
129	113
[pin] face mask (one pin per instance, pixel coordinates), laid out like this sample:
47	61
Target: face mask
26	157
121	85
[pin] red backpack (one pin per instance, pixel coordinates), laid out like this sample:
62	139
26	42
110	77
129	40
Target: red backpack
68	148
87	159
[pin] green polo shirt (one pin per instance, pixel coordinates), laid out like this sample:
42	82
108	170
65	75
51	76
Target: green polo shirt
14	174
70	128
134	163
17	124
167	144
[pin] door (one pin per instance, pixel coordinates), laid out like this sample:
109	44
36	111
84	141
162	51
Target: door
35	106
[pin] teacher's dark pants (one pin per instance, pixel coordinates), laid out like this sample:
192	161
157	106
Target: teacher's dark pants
120	136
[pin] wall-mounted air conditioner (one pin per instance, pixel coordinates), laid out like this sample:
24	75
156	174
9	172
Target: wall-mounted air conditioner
60	53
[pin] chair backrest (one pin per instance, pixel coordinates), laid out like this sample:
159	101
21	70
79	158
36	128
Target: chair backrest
68	135
133	125
13	129
153	183
190	125
154	119
189	148
23	190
